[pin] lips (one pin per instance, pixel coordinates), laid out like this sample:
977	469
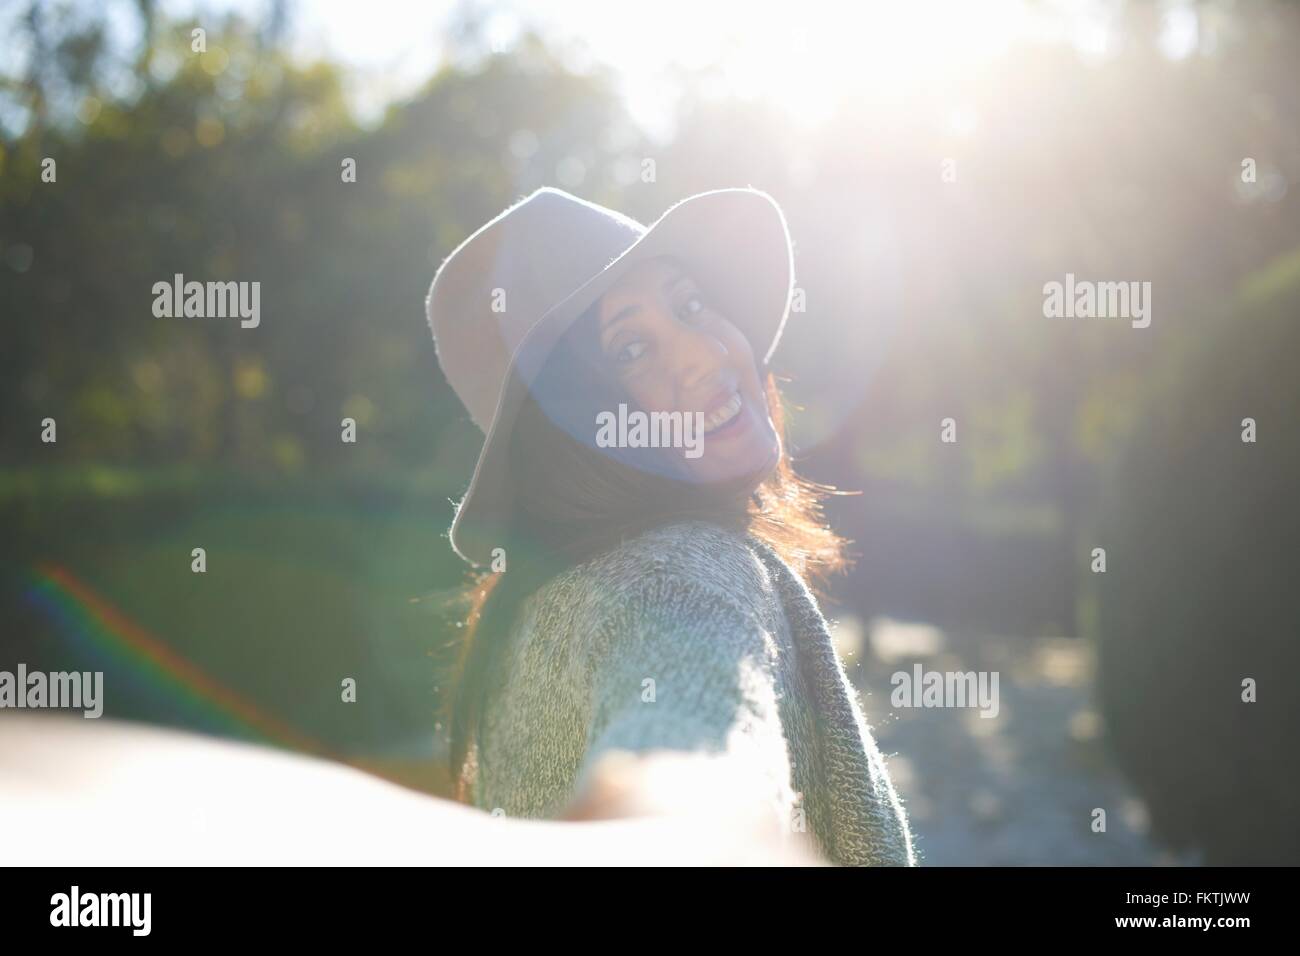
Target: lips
722	413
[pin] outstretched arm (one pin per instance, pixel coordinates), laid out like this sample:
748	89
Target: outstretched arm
685	715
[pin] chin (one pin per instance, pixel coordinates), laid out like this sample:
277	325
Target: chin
750	466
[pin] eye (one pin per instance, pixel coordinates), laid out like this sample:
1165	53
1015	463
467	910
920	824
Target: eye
630	352
691	307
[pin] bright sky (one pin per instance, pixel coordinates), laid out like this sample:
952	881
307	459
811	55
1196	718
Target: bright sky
797	54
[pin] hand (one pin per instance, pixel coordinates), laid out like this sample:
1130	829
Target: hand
712	795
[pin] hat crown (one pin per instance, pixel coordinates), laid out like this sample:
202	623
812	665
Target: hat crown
497	284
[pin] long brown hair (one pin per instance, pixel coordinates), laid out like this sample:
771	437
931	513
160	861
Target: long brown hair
573	502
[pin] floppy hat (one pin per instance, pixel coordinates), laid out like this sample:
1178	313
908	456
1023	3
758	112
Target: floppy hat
503	298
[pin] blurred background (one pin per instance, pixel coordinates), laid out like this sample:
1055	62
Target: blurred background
938	164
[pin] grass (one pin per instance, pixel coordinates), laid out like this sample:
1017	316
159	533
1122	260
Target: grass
303	588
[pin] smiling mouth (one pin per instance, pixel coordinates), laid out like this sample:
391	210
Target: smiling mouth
723	414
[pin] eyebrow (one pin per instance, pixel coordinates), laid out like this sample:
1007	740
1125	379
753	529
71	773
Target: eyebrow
630	310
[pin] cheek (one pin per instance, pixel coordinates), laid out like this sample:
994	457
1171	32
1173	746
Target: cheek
740	353
649	391
743	359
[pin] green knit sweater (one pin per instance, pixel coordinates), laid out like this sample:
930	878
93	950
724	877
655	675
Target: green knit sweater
741	661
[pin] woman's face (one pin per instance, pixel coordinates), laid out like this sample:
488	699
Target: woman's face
671	350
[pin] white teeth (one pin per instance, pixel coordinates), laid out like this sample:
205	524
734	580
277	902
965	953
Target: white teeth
723	415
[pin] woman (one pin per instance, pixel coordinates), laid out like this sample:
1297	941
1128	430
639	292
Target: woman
644	638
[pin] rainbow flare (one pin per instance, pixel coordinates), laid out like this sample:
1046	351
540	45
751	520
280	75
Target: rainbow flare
95	625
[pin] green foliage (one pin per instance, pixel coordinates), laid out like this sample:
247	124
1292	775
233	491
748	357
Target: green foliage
1201	532
227	166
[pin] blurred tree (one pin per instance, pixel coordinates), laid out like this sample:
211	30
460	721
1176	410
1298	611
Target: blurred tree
1201	529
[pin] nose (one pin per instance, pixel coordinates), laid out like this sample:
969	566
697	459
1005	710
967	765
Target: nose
697	358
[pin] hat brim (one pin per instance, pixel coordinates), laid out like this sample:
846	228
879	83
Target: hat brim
737	246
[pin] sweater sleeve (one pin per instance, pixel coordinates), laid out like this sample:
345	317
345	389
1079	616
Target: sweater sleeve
675	666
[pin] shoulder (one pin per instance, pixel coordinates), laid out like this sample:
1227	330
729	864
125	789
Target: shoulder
675	577
691	603
692	556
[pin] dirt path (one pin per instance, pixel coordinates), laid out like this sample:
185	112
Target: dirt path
1018	788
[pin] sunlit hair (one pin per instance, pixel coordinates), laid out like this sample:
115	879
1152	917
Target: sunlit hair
574	501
